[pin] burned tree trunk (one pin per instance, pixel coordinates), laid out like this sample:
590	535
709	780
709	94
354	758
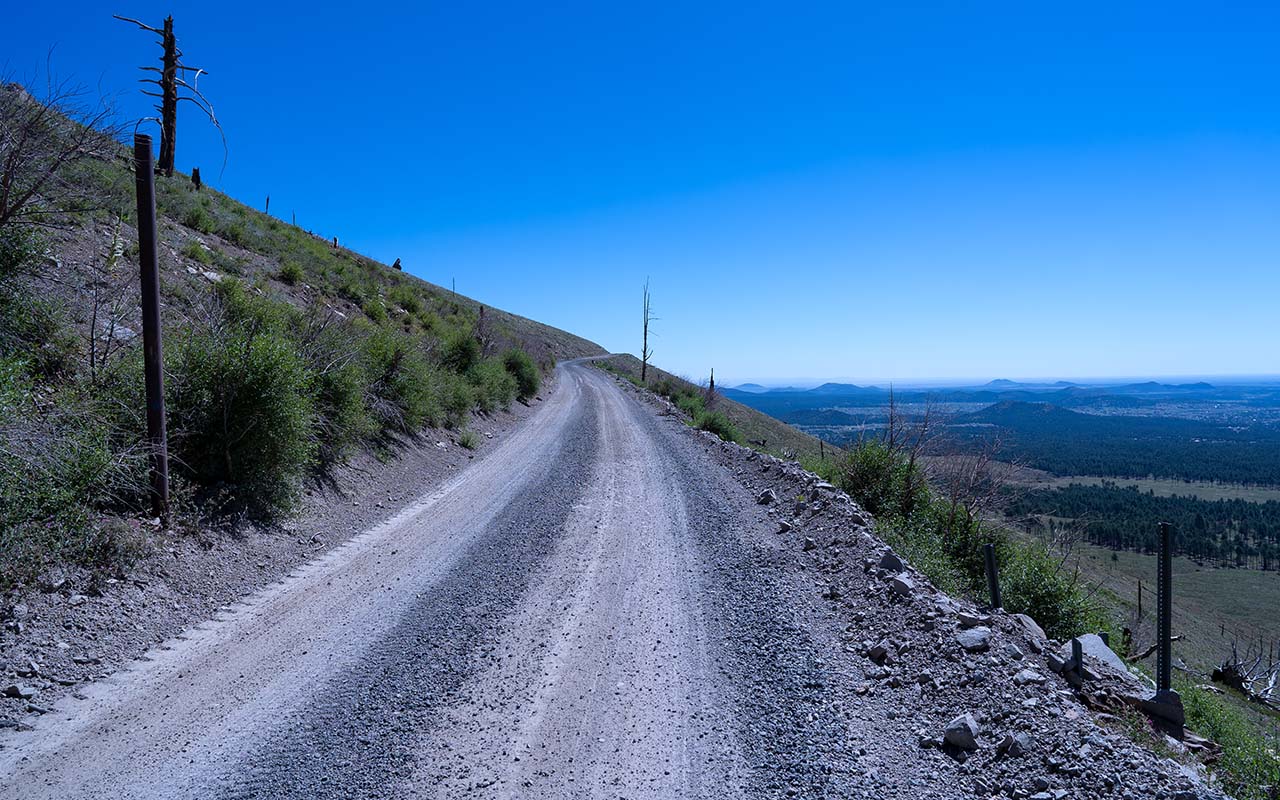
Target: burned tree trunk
1255	676
168	100
171	83
645	352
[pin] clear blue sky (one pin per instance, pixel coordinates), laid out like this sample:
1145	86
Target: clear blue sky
844	191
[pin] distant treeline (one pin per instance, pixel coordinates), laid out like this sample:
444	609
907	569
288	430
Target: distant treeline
1222	532
1070	443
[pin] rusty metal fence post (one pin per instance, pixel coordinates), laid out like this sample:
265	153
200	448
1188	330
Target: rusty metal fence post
153	355
1164	611
993	575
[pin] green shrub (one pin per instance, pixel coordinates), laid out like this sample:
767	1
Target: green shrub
1032	583
944	540
57	464
469	440
235	232
717	423
197	218
241	414
691	404
196	252
252	309
1249	763
290	273
520	365
882	481
374	310
457	397
353	291
400	391
460	351
20	248
495	388
341	418
405	297
32	328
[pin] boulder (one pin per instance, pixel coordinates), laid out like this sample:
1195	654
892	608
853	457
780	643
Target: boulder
1028	676
890	562
902	585
974	640
19	691
1094	647
880	652
767	496
1029	625
1015	744
962	732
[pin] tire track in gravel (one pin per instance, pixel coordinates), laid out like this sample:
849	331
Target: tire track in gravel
654	657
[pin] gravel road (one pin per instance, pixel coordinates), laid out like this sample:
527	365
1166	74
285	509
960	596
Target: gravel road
544	624
597	607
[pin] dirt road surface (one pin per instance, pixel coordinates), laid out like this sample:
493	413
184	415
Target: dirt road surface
555	621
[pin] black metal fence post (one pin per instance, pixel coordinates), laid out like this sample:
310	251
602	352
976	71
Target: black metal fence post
153	355
993	576
1164	603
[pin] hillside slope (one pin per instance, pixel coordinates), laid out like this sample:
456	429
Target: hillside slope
207	236
286	356
758	429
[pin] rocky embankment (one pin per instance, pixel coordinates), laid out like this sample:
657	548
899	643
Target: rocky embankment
947	690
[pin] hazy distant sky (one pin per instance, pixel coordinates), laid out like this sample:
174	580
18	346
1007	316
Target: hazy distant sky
879	191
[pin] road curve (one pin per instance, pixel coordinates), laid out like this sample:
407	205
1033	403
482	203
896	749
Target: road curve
574	615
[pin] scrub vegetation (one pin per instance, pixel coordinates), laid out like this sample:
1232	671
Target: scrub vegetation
284	356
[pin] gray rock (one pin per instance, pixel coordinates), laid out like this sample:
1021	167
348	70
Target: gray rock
1093	646
974	640
890	562
962	732
968	620
880	652
1165	705
902	585
19	691
1028	676
1029	625
1016	744
784	526
809	544
1013	651
767	496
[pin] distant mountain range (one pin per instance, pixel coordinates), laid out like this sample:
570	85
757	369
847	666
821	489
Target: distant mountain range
997	385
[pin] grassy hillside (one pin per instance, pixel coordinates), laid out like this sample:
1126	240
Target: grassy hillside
755	428
285	356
